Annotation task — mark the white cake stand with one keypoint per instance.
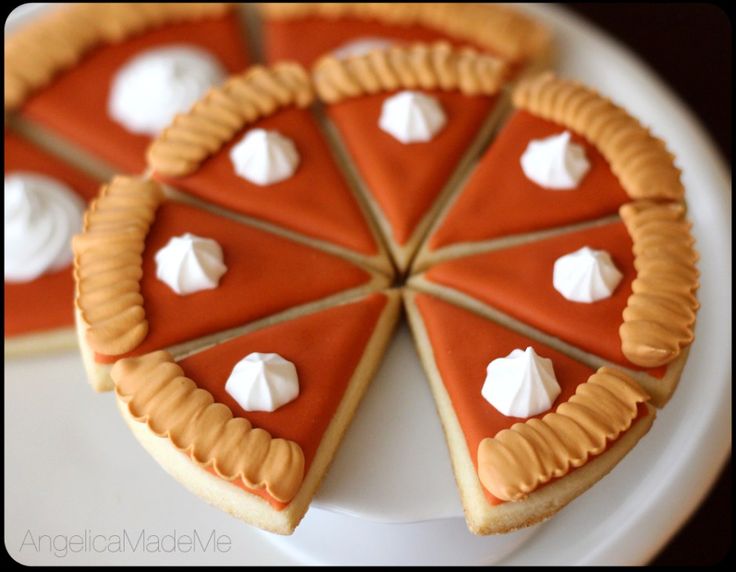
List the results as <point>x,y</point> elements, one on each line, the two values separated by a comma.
<point>389,498</point>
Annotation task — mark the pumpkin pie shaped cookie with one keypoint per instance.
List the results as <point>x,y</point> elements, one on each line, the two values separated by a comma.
<point>107,77</point>
<point>306,31</point>
<point>45,200</point>
<point>254,147</point>
<point>251,424</point>
<point>528,428</point>
<point>566,156</point>
<point>410,120</point>
<point>592,289</point>
<point>157,274</point>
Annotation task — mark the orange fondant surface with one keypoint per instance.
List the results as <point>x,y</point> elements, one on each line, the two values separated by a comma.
<point>464,344</point>
<point>518,281</point>
<point>75,104</point>
<point>499,200</point>
<point>265,275</point>
<point>324,369</point>
<point>315,201</point>
<point>306,39</point>
<point>46,303</point>
<point>405,179</point>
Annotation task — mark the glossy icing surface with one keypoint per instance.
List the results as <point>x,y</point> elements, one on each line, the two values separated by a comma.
<point>324,368</point>
<point>266,274</point>
<point>306,39</point>
<point>463,343</point>
<point>518,281</point>
<point>75,104</point>
<point>315,201</point>
<point>406,179</point>
<point>498,200</point>
<point>56,289</point>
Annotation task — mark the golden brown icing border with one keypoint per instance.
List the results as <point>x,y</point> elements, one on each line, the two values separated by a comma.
<point>520,459</point>
<point>660,313</point>
<point>108,264</point>
<point>641,161</point>
<point>418,66</point>
<point>35,54</point>
<point>223,111</point>
<point>157,393</point>
<point>499,29</point>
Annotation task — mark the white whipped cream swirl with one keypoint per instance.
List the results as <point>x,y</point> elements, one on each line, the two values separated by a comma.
<point>264,157</point>
<point>190,263</point>
<point>586,275</point>
<point>263,382</point>
<point>41,216</point>
<point>150,89</point>
<point>412,117</point>
<point>555,162</point>
<point>522,384</point>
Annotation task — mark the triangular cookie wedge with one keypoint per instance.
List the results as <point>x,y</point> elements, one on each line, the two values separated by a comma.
<point>154,274</point>
<point>39,312</point>
<point>254,147</point>
<point>410,119</point>
<point>641,321</point>
<point>262,467</point>
<point>307,30</point>
<point>514,472</point>
<point>61,71</point>
<point>530,178</point>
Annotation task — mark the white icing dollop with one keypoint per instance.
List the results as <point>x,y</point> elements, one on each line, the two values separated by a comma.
<point>263,382</point>
<point>360,47</point>
<point>522,384</point>
<point>151,88</point>
<point>412,116</point>
<point>586,275</point>
<point>555,162</point>
<point>190,263</point>
<point>264,157</point>
<point>41,216</point>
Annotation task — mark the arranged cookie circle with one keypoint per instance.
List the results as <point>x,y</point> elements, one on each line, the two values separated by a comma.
<point>239,294</point>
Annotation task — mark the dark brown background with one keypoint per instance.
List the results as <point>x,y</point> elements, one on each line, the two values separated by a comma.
<point>689,46</point>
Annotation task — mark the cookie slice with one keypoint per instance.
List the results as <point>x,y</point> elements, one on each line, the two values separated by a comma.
<point>262,467</point>
<point>566,156</point>
<point>154,274</point>
<point>71,72</point>
<point>514,472</point>
<point>305,31</point>
<point>253,146</point>
<point>410,119</point>
<point>39,313</point>
<point>652,288</point>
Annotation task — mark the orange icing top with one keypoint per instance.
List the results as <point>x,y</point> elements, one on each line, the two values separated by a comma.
<point>641,161</point>
<point>464,344</point>
<point>324,369</point>
<point>499,200</point>
<point>406,179</point>
<point>265,274</point>
<point>316,200</point>
<point>306,39</point>
<point>23,313</point>
<point>660,313</point>
<point>75,103</point>
<point>495,28</point>
<point>518,460</point>
<point>157,393</point>
<point>518,281</point>
<point>36,53</point>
